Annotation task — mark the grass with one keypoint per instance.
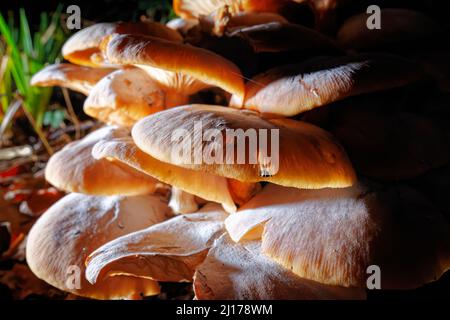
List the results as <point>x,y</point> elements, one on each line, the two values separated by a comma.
<point>23,53</point>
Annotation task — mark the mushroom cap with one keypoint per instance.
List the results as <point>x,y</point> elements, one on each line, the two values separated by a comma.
<point>83,47</point>
<point>207,186</point>
<point>182,25</point>
<point>184,65</point>
<point>189,9</point>
<point>77,78</point>
<point>223,20</point>
<point>333,235</point>
<point>292,89</point>
<point>168,251</point>
<point>182,202</point>
<point>279,36</point>
<point>308,156</point>
<point>125,96</point>
<point>233,271</point>
<point>73,169</point>
<point>397,27</point>
<point>63,237</point>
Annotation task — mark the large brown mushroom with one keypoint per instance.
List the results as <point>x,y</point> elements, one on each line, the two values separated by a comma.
<point>75,226</point>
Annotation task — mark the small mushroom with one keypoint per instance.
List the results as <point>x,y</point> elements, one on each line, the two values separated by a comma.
<point>127,95</point>
<point>83,47</point>
<point>77,78</point>
<point>233,271</point>
<point>333,236</point>
<point>183,26</point>
<point>182,202</point>
<point>308,156</point>
<point>75,226</point>
<point>179,67</point>
<point>168,251</point>
<point>400,28</point>
<point>73,169</point>
<point>292,89</point>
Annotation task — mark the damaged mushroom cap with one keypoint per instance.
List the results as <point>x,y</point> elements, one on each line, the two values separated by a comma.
<point>204,185</point>
<point>333,236</point>
<point>127,95</point>
<point>189,9</point>
<point>168,251</point>
<point>233,271</point>
<point>180,67</point>
<point>83,47</point>
<point>308,156</point>
<point>73,169</point>
<point>76,225</point>
<point>399,26</point>
<point>292,89</point>
<point>77,78</point>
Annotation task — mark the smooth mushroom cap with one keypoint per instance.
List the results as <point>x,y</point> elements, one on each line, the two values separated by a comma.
<point>177,66</point>
<point>168,251</point>
<point>292,89</point>
<point>76,225</point>
<point>234,271</point>
<point>77,78</point>
<point>308,156</point>
<point>333,236</point>
<point>397,26</point>
<point>73,169</point>
<point>83,47</point>
<point>207,186</point>
<point>125,96</point>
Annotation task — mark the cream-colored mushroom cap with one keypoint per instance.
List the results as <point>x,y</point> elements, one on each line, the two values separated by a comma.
<point>127,95</point>
<point>307,156</point>
<point>70,76</point>
<point>83,47</point>
<point>168,251</point>
<point>292,89</point>
<point>73,169</point>
<point>204,185</point>
<point>332,236</point>
<point>180,67</point>
<point>233,271</point>
<point>76,225</point>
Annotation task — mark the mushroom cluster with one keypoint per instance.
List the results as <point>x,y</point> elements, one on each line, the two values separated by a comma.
<point>339,201</point>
